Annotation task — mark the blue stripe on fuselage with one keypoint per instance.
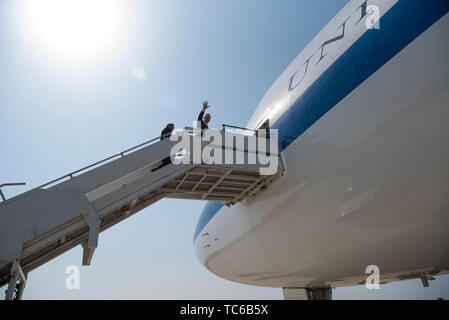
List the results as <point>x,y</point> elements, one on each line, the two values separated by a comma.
<point>402,24</point>
<point>210,209</point>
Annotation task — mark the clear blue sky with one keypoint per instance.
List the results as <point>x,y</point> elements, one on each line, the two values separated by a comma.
<point>56,117</point>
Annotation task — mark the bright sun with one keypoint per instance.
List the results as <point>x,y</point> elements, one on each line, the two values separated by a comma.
<point>76,31</point>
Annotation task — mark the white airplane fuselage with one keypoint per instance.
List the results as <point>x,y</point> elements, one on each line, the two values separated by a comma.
<point>363,127</point>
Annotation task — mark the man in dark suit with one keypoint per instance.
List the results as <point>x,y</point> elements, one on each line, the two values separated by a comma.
<point>165,134</point>
<point>206,119</point>
<point>167,131</point>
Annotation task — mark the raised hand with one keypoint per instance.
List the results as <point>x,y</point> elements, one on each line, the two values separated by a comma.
<point>205,105</point>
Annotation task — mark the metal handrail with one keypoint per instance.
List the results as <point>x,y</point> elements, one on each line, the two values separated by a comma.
<point>9,184</point>
<point>122,154</point>
<point>235,127</point>
<point>12,184</point>
<point>242,128</point>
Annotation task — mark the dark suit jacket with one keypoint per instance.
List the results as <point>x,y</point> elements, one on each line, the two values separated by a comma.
<point>200,118</point>
<point>165,132</point>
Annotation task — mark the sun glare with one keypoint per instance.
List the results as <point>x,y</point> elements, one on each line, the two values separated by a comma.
<point>75,31</point>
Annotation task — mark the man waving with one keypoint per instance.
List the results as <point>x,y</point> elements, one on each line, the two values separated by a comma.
<point>206,119</point>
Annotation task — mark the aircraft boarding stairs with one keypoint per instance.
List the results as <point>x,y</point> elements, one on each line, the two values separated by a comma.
<point>45,222</point>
